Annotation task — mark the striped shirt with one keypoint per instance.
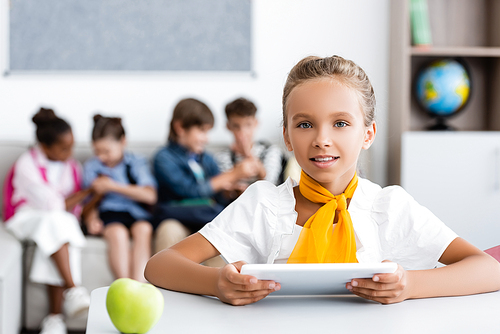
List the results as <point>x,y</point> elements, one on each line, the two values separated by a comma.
<point>271,157</point>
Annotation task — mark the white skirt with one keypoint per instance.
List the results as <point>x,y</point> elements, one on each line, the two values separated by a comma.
<point>50,230</point>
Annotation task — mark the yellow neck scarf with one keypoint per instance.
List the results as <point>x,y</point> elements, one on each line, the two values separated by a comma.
<point>317,242</point>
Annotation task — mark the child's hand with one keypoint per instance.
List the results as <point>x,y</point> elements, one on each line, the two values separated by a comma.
<point>382,288</point>
<point>237,289</point>
<point>103,184</point>
<point>247,168</point>
<point>95,226</point>
<point>240,187</point>
<point>243,145</point>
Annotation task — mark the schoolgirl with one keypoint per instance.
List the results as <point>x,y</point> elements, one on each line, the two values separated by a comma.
<point>126,187</point>
<point>332,215</point>
<point>42,196</point>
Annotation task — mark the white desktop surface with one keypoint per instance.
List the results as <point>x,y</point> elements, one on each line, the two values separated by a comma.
<point>186,313</point>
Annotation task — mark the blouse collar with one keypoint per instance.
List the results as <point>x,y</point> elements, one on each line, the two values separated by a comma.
<point>39,155</point>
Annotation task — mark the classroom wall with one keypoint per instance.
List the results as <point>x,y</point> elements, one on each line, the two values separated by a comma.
<point>284,31</point>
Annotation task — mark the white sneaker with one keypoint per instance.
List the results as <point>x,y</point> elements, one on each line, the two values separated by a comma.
<point>53,324</point>
<point>76,301</point>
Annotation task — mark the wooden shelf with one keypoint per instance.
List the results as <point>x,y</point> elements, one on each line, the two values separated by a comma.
<point>459,28</point>
<point>476,51</point>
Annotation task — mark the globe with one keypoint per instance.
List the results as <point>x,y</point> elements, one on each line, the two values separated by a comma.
<point>443,88</point>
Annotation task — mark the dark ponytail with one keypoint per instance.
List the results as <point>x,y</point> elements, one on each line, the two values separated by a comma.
<point>107,127</point>
<point>49,127</point>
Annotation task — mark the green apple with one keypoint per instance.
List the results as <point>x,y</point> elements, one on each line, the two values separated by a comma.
<point>134,307</point>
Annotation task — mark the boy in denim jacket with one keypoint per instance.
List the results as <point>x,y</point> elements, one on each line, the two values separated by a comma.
<point>190,185</point>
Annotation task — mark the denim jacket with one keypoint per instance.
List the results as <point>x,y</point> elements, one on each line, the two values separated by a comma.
<point>176,180</point>
<point>140,171</point>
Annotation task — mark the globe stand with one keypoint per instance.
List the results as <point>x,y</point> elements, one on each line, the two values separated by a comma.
<point>441,125</point>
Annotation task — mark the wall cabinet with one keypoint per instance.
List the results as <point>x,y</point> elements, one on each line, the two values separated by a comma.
<point>457,176</point>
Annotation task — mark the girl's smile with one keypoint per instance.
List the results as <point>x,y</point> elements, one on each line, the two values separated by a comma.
<point>324,161</point>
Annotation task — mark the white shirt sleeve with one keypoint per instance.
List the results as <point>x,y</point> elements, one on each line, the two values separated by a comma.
<point>409,233</point>
<point>244,230</point>
<point>30,186</point>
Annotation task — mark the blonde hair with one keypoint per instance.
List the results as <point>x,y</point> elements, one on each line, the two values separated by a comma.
<point>346,72</point>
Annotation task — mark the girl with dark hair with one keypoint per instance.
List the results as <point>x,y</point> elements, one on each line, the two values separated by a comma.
<point>42,205</point>
<point>125,185</point>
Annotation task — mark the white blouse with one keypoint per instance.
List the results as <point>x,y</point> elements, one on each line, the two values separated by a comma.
<point>288,243</point>
<point>388,224</point>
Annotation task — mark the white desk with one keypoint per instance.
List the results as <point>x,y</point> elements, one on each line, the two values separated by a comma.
<point>185,313</point>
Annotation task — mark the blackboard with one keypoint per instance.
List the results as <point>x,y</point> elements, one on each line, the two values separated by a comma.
<point>130,35</point>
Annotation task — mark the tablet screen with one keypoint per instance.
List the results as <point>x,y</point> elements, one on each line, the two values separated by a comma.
<point>315,278</point>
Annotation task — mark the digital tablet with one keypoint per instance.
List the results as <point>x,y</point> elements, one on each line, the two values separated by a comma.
<point>315,278</point>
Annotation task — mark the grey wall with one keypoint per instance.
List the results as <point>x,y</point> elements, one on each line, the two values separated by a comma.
<point>130,35</point>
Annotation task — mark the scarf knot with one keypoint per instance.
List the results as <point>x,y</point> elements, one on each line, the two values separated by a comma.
<point>319,241</point>
<point>341,202</point>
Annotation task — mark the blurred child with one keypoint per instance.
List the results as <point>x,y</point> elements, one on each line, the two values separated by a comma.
<point>268,159</point>
<point>43,193</point>
<point>126,185</point>
<point>189,181</point>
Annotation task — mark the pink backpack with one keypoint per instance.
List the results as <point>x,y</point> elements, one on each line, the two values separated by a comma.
<point>495,252</point>
<point>9,208</point>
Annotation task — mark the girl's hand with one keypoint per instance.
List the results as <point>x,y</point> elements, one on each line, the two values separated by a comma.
<point>95,226</point>
<point>237,289</point>
<point>382,288</point>
<point>103,184</point>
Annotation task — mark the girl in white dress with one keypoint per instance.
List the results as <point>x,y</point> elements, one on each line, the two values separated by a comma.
<point>45,199</point>
<point>331,215</point>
